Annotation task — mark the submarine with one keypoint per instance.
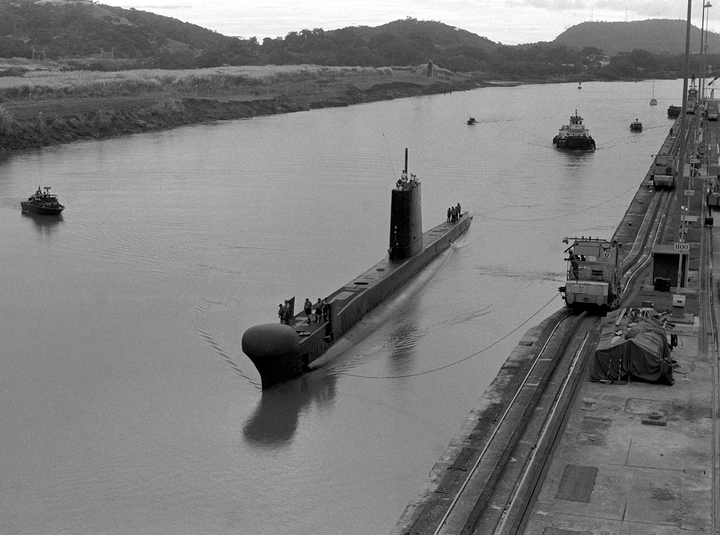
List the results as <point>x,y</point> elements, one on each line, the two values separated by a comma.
<point>284,351</point>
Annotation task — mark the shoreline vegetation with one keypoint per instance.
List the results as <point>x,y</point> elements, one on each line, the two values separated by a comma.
<point>45,105</point>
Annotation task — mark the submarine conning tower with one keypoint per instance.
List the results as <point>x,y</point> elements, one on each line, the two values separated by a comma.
<point>405,217</point>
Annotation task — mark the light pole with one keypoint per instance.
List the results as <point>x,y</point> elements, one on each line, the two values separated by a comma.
<point>680,181</point>
<point>703,50</point>
<point>706,67</point>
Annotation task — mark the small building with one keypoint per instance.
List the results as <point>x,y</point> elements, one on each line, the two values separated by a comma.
<point>667,261</point>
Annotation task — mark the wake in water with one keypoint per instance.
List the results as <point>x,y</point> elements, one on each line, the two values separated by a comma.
<point>203,308</point>
<point>226,358</point>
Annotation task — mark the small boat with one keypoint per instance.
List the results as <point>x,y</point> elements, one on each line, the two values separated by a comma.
<point>574,136</point>
<point>43,203</point>
<point>674,111</point>
<point>471,120</point>
<point>636,126</point>
<point>653,100</point>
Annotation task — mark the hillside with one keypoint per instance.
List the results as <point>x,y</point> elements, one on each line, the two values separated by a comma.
<point>71,29</point>
<point>86,34</point>
<point>658,36</point>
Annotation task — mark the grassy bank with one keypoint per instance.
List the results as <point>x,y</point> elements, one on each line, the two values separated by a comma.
<point>44,106</point>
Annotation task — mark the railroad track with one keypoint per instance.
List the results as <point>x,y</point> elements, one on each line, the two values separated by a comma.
<point>490,470</point>
<point>635,264</point>
<point>564,366</point>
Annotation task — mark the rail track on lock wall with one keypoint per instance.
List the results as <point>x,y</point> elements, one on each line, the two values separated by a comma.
<point>494,482</point>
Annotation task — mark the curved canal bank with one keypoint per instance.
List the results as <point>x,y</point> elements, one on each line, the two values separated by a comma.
<point>39,121</point>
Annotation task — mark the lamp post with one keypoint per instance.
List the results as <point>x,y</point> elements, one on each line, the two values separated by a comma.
<point>706,67</point>
<point>703,50</point>
<point>680,182</point>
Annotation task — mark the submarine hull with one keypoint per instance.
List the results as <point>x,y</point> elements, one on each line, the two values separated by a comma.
<point>283,352</point>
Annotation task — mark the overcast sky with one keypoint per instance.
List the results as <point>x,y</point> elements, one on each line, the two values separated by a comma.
<point>510,22</point>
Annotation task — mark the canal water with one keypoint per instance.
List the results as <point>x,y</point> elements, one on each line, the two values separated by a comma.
<point>127,403</point>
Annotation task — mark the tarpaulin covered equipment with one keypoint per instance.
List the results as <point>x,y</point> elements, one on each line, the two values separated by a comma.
<point>632,346</point>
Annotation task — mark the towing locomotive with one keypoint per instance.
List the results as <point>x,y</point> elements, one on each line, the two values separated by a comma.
<point>593,278</point>
<point>663,173</point>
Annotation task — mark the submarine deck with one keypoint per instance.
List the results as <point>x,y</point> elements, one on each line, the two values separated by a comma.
<point>380,271</point>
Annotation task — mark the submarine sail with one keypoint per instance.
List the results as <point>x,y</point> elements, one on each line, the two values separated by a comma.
<point>405,217</point>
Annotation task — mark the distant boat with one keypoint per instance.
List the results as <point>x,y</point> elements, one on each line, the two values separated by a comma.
<point>579,85</point>
<point>43,203</point>
<point>636,126</point>
<point>653,100</point>
<point>674,111</point>
<point>471,120</point>
<point>574,136</point>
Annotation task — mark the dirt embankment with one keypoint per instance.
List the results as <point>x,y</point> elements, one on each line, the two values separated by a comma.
<point>32,123</point>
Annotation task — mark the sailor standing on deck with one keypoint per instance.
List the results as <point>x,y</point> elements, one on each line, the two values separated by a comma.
<point>307,307</point>
<point>286,313</point>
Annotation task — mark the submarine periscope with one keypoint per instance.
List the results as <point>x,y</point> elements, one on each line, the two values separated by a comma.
<point>283,351</point>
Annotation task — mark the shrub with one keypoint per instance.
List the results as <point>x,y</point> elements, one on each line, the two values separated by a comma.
<point>7,121</point>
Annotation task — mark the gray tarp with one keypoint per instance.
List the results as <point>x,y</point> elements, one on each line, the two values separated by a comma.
<point>636,344</point>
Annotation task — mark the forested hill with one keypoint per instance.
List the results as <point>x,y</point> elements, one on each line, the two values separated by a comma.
<point>80,29</point>
<point>86,34</point>
<point>55,29</point>
<point>658,36</point>
<point>441,35</point>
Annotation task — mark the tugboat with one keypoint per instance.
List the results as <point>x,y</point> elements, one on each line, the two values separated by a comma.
<point>471,120</point>
<point>283,351</point>
<point>43,203</point>
<point>636,126</point>
<point>574,136</point>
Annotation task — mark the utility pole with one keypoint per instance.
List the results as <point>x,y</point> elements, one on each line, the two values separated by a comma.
<point>680,187</point>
